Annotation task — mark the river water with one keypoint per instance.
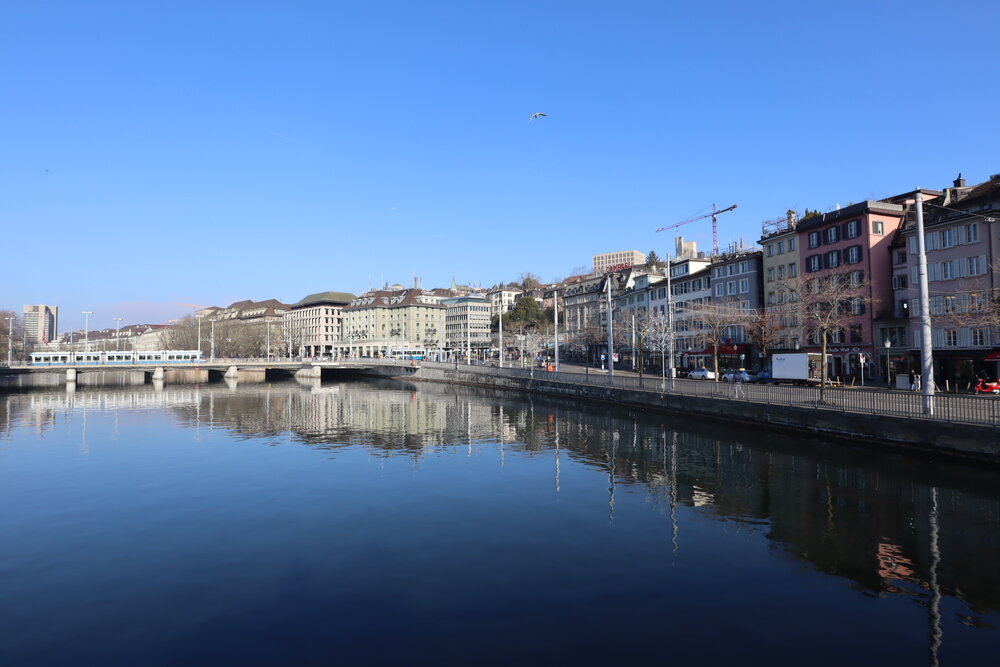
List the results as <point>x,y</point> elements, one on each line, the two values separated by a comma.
<point>390,523</point>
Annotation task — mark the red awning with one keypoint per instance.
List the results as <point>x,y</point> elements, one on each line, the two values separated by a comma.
<point>992,356</point>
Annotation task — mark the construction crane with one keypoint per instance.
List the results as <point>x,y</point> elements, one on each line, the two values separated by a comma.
<point>715,225</point>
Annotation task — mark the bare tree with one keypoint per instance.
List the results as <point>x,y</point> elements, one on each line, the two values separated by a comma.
<point>830,304</point>
<point>660,333</point>
<point>11,333</point>
<point>717,318</point>
<point>764,327</point>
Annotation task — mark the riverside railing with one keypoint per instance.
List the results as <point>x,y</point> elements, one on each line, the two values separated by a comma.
<point>983,410</point>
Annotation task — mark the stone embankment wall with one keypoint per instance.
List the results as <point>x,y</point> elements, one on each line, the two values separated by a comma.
<point>929,436</point>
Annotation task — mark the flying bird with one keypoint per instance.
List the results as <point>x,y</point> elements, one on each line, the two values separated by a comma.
<point>536,115</point>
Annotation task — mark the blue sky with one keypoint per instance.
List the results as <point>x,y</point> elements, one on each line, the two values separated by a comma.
<point>206,152</point>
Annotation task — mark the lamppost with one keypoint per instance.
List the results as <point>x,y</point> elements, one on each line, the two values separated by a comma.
<point>888,372</point>
<point>213,339</point>
<point>199,318</point>
<point>86,330</point>
<point>10,338</point>
<point>555,310</point>
<point>118,329</point>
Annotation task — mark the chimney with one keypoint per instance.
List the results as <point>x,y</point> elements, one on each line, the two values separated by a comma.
<point>959,182</point>
<point>790,215</point>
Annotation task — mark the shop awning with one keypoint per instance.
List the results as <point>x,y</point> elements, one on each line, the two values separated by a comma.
<point>723,349</point>
<point>992,356</point>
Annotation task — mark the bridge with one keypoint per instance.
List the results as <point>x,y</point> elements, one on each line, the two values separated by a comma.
<point>244,370</point>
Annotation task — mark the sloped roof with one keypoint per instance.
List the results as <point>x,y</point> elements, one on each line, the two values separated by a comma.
<point>340,298</point>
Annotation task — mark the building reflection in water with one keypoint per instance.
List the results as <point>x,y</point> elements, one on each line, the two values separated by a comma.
<point>891,525</point>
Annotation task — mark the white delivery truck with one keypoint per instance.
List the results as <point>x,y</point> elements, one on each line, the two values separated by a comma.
<point>797,367</point>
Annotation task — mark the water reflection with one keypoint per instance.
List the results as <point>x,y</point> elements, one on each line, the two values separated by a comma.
<point>890,525</point>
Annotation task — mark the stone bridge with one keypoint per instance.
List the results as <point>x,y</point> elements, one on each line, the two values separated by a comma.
<point>240,370</point>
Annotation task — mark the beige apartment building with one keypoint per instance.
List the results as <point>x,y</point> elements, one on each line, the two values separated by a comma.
<point>41,324</point>
<point>622,259</point>
<point>383,323</point>
<point>779,241</point>
<point>315,323</point>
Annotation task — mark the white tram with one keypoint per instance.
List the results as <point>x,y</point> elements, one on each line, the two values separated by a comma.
<point>94,358</point>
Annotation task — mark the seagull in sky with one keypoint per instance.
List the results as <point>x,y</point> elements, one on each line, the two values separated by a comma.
<point>536,115</point>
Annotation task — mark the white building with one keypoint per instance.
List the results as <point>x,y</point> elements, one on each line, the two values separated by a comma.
<point>621,259</point>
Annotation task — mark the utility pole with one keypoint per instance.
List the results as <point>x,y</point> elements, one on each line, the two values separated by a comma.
<point>670,326</point>
<point>611,353</point>
<point>500,318</point>
<point>926,351</point>
<point>86,330</point>
<point>199,317</point>
<point>213,339</point>
<point>118,330</point>
<point>555,295</point>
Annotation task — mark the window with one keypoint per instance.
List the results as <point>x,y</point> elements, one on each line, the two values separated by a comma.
<point>732,269</point>
<point>853,254</point>
<point>744,267</point>
<point>833,259</point>
<point>976,265</point>
<point>899,257</point>
<point>814,239</point>
<point>857,306</point>
<point>720,289</point>
<point>793,270</point>
<point>856,333</point>
<point>770,274</point>
<point>791,244</point>
<point>731,287</point>
<point>744,285</point>
<point>951,337</point>
<point>832,234</point>
<point>947,270</point>
<point>781,271</point>
<point>979,337</point>
<point>852,229</point>
<point>947,238</point>
<point>899,282</point>
<point>770,250</point>
<point>972,233</point>
<point>854,278</point>
<point>813,263</point>
<point>781,247</point>
<point>877,227</point>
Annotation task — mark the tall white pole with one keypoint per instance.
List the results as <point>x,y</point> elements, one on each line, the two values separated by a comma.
<point>118,330</point>
<point>611,351</point>
<point>670,325</point>
<point>86,330</point>
<point>555,295</point>
<point>926,350</point>
<point>501,326</point>
<point>213,339</point>
<point>198,317</point>
<point>267,337</point>
<point>468,334</point>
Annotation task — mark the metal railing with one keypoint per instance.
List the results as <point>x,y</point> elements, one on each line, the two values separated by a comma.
<point>981,410</point>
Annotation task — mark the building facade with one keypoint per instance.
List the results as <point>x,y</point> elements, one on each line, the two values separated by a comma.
<point>383,323</point>
<point>619,260</point>
<point>315,323</point>
<point>41,324</point>
<point>467,325</point>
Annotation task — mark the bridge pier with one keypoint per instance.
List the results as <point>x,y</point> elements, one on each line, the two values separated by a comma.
<point>158,373</point>
<point>310,372</point>
<point>70,375</point>
<point>232,373</point>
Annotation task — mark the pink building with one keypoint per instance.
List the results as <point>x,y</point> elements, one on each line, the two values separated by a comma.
<point>853,243</point>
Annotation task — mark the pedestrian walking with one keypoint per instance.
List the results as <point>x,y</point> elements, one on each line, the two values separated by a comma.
<point>913,380</point>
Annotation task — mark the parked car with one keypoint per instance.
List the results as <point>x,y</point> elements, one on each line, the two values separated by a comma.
<point>739,376</point>
<point>702,374</point>
<point>682,372</point>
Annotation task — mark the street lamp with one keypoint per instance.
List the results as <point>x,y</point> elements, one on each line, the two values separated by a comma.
<point>199,318</point>
<point>213,338</point>
<point>118,329</point>
<point>86,330</point>
<point>888,372</point>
